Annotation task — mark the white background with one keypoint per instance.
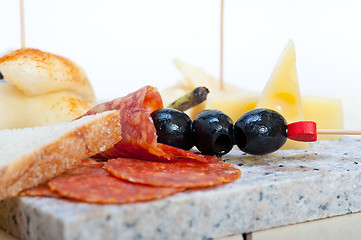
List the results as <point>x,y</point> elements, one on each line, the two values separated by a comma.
<point>124,45</point>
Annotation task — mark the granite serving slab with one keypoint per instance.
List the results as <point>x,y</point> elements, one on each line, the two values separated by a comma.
<point>286,187</point>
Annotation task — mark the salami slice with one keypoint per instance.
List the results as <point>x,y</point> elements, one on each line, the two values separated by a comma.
<point>185,173</point>
<point>42,190</point>
<point>89,182</point>
<point>176,154</point>
<point>139,136</point>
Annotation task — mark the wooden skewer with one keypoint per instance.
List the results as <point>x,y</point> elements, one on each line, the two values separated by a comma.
<point>338,132</point>
<point>22,24</point>
<point>221,53</point>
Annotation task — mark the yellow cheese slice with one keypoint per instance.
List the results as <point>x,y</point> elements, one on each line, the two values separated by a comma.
<point>234,101</point>
<point>197,77</point>
<point>282,92</point>
<point>326,112</point>
<point>234,105</point>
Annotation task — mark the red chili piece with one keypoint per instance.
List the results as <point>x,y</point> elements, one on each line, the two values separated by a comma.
<point>303,131</point>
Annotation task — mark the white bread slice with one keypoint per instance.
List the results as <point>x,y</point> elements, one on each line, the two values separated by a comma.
<point>30,156</point>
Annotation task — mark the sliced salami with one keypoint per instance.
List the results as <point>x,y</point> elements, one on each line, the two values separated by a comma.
<point>139,136</point>
<point>89,182</point>
<point>186,173</point>
<point>42,190</point>
<point>176,154</point>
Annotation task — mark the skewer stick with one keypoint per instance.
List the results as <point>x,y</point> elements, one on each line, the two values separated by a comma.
<point>221,53</point>
<point>338,132</point>
<point>306,131</point>
<point>22,24</point>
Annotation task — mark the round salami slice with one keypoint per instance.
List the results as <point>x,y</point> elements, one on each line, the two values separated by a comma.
<point>93,184</point>
<point>175,154</point>
<point>186,173</point>
<point>42,190</point>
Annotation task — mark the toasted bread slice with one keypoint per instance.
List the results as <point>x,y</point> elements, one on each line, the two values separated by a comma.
<point>30,156</point>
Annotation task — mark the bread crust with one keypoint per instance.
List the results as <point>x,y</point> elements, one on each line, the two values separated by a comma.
<point>51,160</point>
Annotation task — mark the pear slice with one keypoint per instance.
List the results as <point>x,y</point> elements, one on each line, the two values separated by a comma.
<point>282,92</point>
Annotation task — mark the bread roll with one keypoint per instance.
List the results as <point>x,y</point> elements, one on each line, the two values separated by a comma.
<point>35,72</point>
<point>41,88</point>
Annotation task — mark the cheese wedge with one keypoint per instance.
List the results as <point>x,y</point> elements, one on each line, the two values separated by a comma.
<point>282,92</point>
<point>234,105</point>
<point>197,77</point>
<point>235,101</point>
<point>326,112</point>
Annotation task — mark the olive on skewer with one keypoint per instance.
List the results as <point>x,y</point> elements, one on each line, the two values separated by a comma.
<point>258,131</point>
<point>173,128</point>
<point>212,132</point>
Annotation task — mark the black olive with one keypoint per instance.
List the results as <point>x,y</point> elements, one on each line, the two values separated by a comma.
<point>173,128</point>
<point>1,76</point>
<point>260,131</point>
<point>212,132</point>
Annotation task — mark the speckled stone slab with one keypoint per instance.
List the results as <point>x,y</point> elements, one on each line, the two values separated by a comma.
<point>286,187</point>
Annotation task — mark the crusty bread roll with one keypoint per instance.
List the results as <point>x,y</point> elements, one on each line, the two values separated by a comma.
<point>35,72</point>
<point>41,88</point>
<point>30,156</point>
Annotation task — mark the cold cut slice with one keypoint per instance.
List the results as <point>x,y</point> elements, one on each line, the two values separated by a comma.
<point>185,173</point>
<point>89,182</point>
